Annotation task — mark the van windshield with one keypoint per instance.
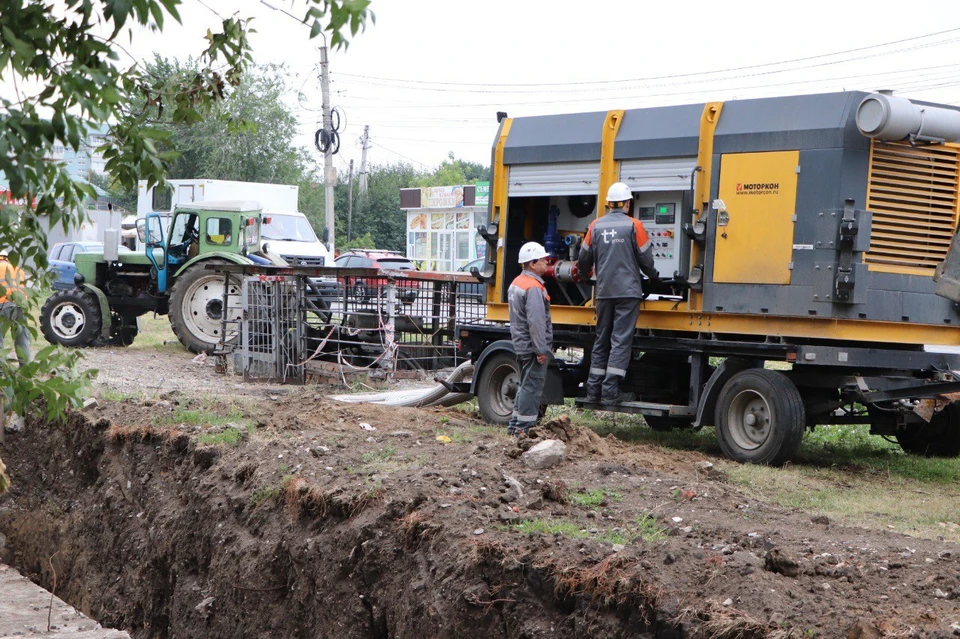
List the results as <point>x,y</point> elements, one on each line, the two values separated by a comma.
<point>289,228</point>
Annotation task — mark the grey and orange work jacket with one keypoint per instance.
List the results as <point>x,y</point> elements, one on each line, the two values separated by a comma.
<point>530,326</point>
<point>618,248</point>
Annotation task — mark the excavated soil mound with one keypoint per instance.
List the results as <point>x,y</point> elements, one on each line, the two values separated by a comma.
<point>306,518</point>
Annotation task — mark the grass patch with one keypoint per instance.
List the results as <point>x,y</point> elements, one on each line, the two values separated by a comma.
<point>384,454</point>
<point>183,416</point>
<point>861,496</point>
<point>108,394</point>
<point>598,497</point>
<point>646,527</point>
<point>265,493</point>
<point>551,527</point>
<point>230,436</point>
<point>456,436</point>
<point>156,334</point>
<point>649,529</point>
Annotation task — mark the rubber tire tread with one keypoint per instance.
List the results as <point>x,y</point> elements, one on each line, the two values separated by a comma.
<point>785,403</point>
<point>946,444</point>
<point>177,324</point>
<point>91,310</point>
<point>483,386</point>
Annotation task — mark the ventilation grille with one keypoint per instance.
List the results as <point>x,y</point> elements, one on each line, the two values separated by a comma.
<point>912,191</point>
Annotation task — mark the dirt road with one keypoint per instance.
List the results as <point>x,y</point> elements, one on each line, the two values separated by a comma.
<point>211,508</point>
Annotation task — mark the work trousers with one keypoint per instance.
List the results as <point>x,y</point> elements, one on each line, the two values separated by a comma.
<point>613,346</point>
<point>526,408</point>
<point>12,314</point>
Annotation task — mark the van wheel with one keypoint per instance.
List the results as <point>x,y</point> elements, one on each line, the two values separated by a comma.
<point>71,318</point>
<point>760,418</point>
<point>497,388</point>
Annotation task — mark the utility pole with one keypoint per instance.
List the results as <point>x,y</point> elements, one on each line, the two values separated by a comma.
<point>350,204</point>
<point>363,159</point>
<point>329,173</point>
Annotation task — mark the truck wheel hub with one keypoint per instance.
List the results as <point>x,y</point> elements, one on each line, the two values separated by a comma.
<point>749,420</point>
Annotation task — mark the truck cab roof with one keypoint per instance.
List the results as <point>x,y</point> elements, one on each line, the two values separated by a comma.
<point>233,206</point>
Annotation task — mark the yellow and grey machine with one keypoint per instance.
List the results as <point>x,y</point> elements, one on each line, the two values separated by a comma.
<point>807,229</point>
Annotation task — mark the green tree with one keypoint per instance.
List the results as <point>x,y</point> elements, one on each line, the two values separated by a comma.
<point>378,212</point>
<point>452,172</point>
<point>362,242</point>
<point>250,136</point>
<point>68,79</point>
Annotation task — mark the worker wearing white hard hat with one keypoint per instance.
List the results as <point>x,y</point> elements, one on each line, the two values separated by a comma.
<point>618,250</point>
<point>532,333</point>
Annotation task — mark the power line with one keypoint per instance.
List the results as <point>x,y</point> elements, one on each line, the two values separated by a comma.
<point>672,76</point>
<point>622,97</point>
<point>377,144</point>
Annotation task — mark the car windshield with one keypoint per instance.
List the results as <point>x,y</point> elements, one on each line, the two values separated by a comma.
<point>395,263</point>
<point>289,228</point>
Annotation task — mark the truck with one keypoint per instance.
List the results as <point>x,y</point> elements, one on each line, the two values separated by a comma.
<point>287,230</point>
<point>170,276</point>
<point>809,254</point>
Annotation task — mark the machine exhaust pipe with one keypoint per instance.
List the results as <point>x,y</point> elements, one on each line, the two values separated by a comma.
<point>892,118</point>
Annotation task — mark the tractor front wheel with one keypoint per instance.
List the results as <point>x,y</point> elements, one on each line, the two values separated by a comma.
<point>197,308</point>
<point>71,318</point>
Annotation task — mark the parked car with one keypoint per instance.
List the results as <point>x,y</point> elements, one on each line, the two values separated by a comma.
<point>365,289</point>
<point>62,257</point>
<point>473,290</point>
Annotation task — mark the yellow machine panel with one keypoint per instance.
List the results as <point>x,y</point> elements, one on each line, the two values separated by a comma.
<point>754,242</point>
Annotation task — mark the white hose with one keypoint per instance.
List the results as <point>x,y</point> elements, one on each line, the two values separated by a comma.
<point>416,397</point>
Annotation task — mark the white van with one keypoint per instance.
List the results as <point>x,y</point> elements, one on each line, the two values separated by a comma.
<point>289,235</point>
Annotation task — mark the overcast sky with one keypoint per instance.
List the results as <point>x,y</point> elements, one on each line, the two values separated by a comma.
<point>430,75</point>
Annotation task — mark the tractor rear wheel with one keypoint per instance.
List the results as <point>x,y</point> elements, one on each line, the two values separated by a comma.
<point>71,318</point>
<point>197,309</point>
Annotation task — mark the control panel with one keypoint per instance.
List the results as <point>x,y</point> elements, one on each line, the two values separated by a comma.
<point>660,214</point>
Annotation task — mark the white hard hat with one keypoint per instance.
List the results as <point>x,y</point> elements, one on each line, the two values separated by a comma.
<point>619,192</point>
<point>531,251</point>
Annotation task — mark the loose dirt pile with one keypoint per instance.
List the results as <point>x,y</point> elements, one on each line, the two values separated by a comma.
<point>298,517</point>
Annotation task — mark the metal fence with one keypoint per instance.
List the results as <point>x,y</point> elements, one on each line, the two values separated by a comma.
<point>333,322</point>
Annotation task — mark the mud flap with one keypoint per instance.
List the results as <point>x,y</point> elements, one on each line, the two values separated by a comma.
<point>553,388</point>
<point>106,317</point>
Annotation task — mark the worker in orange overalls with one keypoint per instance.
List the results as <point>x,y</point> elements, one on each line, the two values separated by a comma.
<point>11,311</point>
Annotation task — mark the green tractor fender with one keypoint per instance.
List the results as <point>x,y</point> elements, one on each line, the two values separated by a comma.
<point>230,257</point>
<point>105,314</point>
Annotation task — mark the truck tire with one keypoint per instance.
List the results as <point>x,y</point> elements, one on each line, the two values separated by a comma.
<point>938,438</point>
<point>759,417</point>
<point>71,318</point>
<point>196,307</point>
<point>497,387</point>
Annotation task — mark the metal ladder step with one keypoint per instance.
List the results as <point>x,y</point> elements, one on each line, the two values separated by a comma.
<point>640,408</point>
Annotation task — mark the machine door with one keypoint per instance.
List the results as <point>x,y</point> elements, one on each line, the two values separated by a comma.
<point>562,178</point>
<point>754,234</point>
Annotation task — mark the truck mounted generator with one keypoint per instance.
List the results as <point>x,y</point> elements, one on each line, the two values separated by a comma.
<point>805,248</point>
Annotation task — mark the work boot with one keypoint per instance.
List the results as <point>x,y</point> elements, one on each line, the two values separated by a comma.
<point>619,398</point>
<point>593,386</point>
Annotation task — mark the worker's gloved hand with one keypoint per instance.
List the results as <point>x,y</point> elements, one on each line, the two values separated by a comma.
<point>656,281</point>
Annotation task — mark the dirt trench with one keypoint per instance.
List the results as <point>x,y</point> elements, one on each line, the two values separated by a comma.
<point>311,526</point>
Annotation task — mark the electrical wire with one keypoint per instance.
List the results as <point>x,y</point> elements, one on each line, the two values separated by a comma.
<point>695,74</point>
<point>377,144</point>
